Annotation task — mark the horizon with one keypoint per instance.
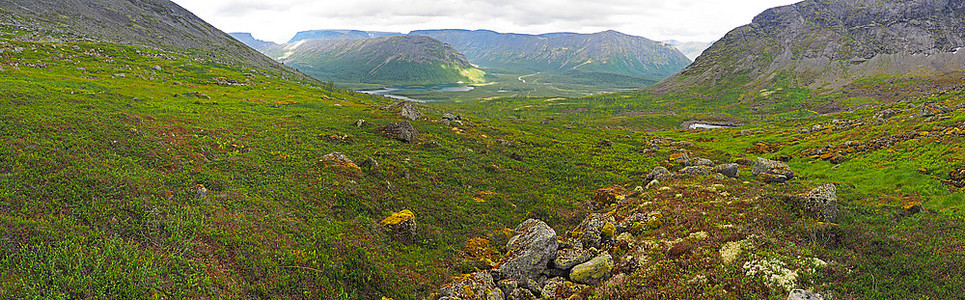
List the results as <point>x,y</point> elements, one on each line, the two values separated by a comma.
<point>684,21</point>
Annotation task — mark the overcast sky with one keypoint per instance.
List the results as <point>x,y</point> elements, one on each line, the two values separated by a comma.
<point>684,20</point>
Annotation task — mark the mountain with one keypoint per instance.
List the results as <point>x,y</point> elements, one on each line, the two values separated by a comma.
<point>339,34</point>
<point>158,24</point>
<point>251,41</point>
<point>690,49</point>
<point>830,44</point>
<point>387,60</point>
<point>607,53</point>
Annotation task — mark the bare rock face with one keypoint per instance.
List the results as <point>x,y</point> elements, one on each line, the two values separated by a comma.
<point>822,202</point>
<point>529,251</point>
<point>833,42</point>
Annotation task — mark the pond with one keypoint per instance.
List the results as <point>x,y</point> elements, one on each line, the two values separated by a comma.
<point>392,91</point>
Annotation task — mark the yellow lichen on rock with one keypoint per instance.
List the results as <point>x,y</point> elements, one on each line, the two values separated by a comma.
<point>608,230</point>
<point>397,218</point>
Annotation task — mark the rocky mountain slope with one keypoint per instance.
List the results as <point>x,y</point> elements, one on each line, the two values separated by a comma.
<point>158,24</point>
<point>392,60</point>
<point>339,34</point>
<point>577,55</point>
<point>831,43</point>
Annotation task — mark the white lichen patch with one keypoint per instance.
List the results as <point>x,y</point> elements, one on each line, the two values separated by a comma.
<point>775,273</point>
<point>730,251</point>
<point>700,235</point>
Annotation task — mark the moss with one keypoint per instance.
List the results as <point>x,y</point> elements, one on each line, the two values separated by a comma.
<point>397,218</point>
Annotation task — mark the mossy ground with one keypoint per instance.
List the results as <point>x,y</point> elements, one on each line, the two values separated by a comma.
<point>162,183</point>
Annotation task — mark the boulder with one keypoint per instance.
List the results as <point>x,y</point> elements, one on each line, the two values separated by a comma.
<point>931,109</point>
<point>507,286</point>
<point>403,131</point>
<point>653,183</point>
<point>608,195</point>
<point>822,203</point>
<point>659,173</point>
<point>744,161</point>
<point>451,116</point>
<point>559,288</point>
<point>592,271</point>
<point>341,160</point>
<point>729,170</point>
<point>804,295</point>
<point>696,170</point>
<point>591,230</point>
<point>771,171</point>
<point>529,251</point>
<point>400,223</point>
<point>887,114</point>
<point>568,258</point>
<point>409,111</point>
<point>520,294</point>
<point>697,161</point>
<point>474,286</point>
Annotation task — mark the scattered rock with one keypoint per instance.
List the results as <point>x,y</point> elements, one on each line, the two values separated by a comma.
<point>359,123</point>
<point>822,203</point>
<point>451,117</point>
<point>633,223</point>
<point>608,195</point>
<point>520,294</point>
<point>652,184</point>
<point>568,258</point>
<point>119,75</point>
<point>744,161</point>
<point>157,68</point>
<point>507,286</point>
<point>591,230</point>
<point>341,160</point>
<point>410,111</point>
<point>931,109</point>
<point>729,170</point>
<point>401,224</point>
<point>559,288</point>
<point>403,131</point>
<point>771,171</point>
<point>804,295</point>
<point>659,173</point>
<point>696,170</point>
<point>529,251</point>
<point>593,271</point>
<point>474,286</point>
<point>697,161</point>
<point>887,114</point>
<point>838,159</point>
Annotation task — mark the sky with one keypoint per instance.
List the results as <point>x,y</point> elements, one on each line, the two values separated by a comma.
<point>682,20</point>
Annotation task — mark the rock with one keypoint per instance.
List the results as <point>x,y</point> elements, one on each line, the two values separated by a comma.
<point>157,68</point>
<point>446,122</point>
<point>804,295</point>
<point>120,75</point>
<point>592,271</point>
<point>652,184</point>
<point>341,160</point>
<point>409,111</point>
<point>957,174</point>
<point>697,161</point>
<point>559,288</point>
<point>887,114</point>
<point>474,286</point>
<point>529,251</point>
<point>744,161</point>
<point>655,220</point>
<point>837,159</point>
<point>696,170</point>
<point>931,109</point>
<point>402,131</point>
<point>822,203</point>
<point>608,195</point>
<point>627,224</point>
<point>590,231</point>
<point>359,123</point>
<point>659,173</point>
<point>401,223</point>
<point>520,294</point>
<point>771,171</point>
<point>507,285</point>
<point>451,117</point>
<point>729,170</point>
<point>568,258</point>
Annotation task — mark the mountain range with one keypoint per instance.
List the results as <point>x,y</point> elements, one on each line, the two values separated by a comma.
<point>388,60</point>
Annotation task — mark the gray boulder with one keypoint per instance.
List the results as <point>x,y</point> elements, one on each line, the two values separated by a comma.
<point>403,131</point>
<point>594,230</point>
<point>804,295</point>
<point>659,173</point>
<point>410,112</point>
<point>697,161</point>
<point>771,171</point>
<point>529,251</point>
<point>729,170</point>
<point>567,258</point>
<point>696,170</point>
<point>822,203</point>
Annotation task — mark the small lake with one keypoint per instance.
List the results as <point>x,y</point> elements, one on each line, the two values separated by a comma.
<point>442,88</point>
<point>698,125</point>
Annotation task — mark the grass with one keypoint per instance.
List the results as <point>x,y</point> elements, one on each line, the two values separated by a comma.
<point>163,183</point>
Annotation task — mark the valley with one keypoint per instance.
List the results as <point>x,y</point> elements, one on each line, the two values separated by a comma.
<point>150,155</point>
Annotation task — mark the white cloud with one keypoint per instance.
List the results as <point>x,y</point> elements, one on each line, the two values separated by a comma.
<point>685,20</point>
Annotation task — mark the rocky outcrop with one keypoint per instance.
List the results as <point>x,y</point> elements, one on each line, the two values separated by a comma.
<point>529,251</point>
<point>771,171</point>
<point>822,203</point>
